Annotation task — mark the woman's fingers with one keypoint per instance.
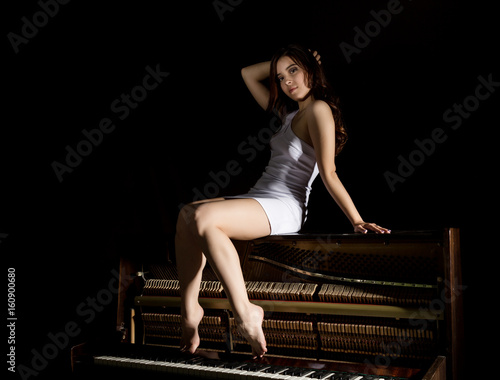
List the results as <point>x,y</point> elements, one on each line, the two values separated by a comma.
<point>365,227</point>
<point>316,55</point>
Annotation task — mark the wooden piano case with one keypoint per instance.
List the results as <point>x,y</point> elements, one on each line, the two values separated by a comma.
<point>389,305</point>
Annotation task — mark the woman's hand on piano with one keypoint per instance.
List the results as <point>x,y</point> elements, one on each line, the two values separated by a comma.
<point>365,227</point>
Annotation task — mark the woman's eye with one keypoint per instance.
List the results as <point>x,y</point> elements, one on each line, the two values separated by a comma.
<point>280,79</point>
<point>293,70</point>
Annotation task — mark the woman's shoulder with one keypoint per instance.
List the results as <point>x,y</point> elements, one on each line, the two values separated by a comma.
<point>318,107</point>
<point>319,112</point>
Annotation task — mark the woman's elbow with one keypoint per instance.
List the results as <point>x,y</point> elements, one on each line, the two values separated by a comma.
<point>329,173</point>
<point>244,71</point>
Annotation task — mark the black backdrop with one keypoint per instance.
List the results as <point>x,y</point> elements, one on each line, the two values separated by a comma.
<point>67,67</point>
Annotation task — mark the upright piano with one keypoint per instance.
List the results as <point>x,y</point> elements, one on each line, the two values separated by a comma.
<point>337,307</point>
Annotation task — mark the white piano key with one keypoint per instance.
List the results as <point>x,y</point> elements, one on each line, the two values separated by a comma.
<point>134,363</point>
<point>101,360</point>
<point>230,373</point>
<point>175,368</point>
<point>260,375</point>
<point>166,367</point>
<point>234,374</point>
<point>124,362</point>
<point>209,372</point>
<point>304,375</point>
<point>279,376</point>
<point>193,368</point>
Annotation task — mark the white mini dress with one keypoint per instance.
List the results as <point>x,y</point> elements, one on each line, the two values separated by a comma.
<point>284,188</point>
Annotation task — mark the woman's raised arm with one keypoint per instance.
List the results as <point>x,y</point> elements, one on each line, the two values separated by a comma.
<point>253,76</point>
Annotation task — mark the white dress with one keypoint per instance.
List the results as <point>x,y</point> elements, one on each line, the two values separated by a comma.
<point>284,188</point>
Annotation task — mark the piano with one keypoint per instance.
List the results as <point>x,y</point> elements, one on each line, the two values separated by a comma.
<point>337,307</point>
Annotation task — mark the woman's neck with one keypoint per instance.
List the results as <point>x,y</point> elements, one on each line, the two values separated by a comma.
<point>304,103</point>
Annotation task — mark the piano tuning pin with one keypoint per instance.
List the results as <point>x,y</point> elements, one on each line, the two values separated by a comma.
<point>141,274</point>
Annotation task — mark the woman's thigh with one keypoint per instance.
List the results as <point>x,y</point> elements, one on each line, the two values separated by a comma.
<point>240,219</point>
<point>186,217</point>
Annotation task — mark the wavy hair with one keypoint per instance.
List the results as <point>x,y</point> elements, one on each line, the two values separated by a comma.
<point>316,81</point>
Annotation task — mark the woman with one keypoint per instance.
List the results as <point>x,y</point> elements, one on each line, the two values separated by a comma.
<point>307,143</point>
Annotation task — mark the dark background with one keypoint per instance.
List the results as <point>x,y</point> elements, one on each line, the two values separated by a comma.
<point>64,238</point>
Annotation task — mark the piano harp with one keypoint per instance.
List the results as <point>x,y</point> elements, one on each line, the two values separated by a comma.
<point>343,306</point>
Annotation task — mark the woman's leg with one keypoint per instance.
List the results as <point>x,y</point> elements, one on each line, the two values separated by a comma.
<point>209,227</point>
<point>190,263</point>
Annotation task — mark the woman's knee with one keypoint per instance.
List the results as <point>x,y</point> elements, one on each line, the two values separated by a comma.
<point>194,219</point>
<point>185,221</point>
<point>204,217</point>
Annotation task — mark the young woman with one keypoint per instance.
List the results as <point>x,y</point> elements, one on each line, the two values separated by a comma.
<point>311,136</point>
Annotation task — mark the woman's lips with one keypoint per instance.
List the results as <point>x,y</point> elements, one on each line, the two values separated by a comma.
<point>292,90</point>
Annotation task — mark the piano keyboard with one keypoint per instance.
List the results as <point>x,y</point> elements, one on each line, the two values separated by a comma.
<point>199,367</point>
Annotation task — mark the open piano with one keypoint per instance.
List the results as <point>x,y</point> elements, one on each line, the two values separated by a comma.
<point>338,307</point>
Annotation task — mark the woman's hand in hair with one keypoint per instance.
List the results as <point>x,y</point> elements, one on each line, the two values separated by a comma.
<point>317,56</point>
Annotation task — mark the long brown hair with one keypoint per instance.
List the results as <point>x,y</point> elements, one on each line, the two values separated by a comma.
<point>320,89</point>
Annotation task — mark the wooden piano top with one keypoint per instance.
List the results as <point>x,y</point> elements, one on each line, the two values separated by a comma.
<point>408,234</point>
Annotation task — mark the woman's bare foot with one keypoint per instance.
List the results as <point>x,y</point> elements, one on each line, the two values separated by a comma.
<point>190,340</point>
<point>250,326</point>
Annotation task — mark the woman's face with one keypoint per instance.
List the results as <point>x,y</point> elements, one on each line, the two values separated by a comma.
<point>291,78</point>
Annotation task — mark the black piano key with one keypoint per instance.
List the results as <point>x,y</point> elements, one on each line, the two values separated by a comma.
<point>233,365</point>
<point>276,369</point>
<point>322,375</point>
<point>261,367</point>
<point>210,363</point>
<point>251,367</point>
<point>194,360</point>
<point>340,376</point>
<point>293,371</point>
<point>350,376</point>
<point>299,372</point>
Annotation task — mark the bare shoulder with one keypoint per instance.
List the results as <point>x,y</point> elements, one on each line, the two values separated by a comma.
<point>319,106</point>
<point>319,112</point>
